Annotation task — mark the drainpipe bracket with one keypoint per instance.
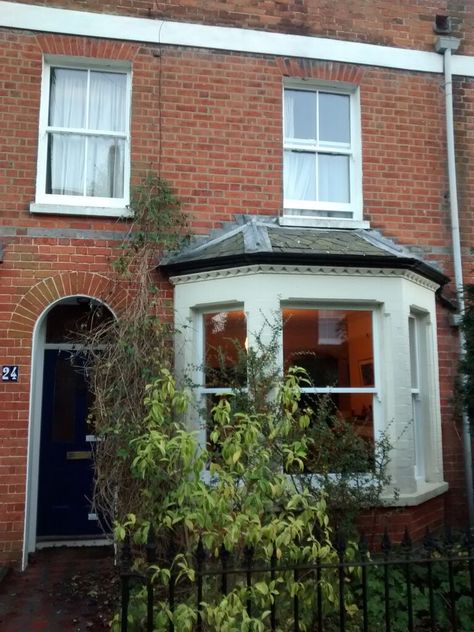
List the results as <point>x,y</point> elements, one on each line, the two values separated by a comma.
<point>447,42</point>
<point>455,320</point>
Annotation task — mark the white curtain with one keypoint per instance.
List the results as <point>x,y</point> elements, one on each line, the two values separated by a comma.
<point>80,164</point>
<point>333,178</point>
<point>299,175</point>
<point>67,151</point>
<point>107,101</point>
<point>105,164</point>
<point>299,168</point>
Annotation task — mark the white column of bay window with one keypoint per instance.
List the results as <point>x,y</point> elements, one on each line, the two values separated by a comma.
<point>387,405</point>
<point>196,368</point>
<point>398,407</point>
<point>263,314</point>
<point>425,399</point>
<point>405,440</point>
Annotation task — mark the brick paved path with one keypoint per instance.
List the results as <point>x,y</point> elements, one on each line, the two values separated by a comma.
<point>62,590</point>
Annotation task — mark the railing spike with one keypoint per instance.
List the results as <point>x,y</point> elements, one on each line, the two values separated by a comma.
<point>224,554</point>
<point>429,541</point>
<point>469,537</point>
<point>200,552</point>
<point>386,542</point>
<point>248,555</point>
<point>151,547</point>
<point>363,545</point>
<point>126,556</point>
<point>171,551</point>
<point>340,543</point>
<point>448,535</point>
<point>406,541</point>
<point>317,531</point>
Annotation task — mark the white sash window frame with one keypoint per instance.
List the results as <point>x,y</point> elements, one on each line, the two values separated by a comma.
<point>316,209</point>
<point>46,202</point>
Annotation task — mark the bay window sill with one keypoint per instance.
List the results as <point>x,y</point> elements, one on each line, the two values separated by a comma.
<point>88,211</point>
<point>425,491</point>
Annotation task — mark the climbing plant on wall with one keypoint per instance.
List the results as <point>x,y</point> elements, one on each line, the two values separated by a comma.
<point>127,353</point>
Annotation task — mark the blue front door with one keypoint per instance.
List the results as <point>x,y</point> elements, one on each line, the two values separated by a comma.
<point>66,466</point>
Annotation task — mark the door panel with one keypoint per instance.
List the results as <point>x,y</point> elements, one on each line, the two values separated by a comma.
<point>66,467</point>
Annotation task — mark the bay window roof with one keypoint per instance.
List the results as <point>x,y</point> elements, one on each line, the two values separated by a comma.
<point>252,240</point>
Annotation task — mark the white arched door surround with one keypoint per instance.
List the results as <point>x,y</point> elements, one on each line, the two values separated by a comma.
<point>40,349</point>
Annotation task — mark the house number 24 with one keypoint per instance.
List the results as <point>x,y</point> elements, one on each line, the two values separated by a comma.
<point>10,373</point>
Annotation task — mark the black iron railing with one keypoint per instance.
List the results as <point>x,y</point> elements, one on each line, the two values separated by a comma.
<point>397,588</point>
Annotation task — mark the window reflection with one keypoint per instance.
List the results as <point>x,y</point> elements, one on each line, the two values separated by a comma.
<point>69,322</point>
<point>225,336</point>
<point>335,347</point>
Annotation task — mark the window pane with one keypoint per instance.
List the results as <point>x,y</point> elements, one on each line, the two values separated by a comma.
<point>355,408</point>
<point>69,322</point>
<point>105,167</point>
<point>67,105</point>
<point>68,380</point>
<point>225,335</point>
<point>333,173</point>
<point>66,153</point>
<point>300,175</point>
<point>107,101</point>
<point>334,346</point>
<point>413,352</point>
<point>334,118</point>
<point>300,114</point>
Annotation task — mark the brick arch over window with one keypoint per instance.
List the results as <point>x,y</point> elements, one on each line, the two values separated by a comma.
<point>86,47</point>
<point>320,70</point>
<point>54,288</point>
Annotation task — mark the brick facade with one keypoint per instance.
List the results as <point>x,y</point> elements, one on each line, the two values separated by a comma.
<point>211,123</point>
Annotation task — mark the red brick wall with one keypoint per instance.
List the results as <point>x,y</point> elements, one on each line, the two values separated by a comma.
<point>404,23</point>
<point>210,122</point>
<point>394,521</point>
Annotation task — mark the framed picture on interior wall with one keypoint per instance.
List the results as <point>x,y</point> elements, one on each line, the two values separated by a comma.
<point>366,372</point>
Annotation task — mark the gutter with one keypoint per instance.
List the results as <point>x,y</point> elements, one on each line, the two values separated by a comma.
<point>321,259</point>
<point>445,45</point>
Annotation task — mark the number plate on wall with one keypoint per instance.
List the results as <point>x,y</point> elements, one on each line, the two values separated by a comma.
<point>10,373</point>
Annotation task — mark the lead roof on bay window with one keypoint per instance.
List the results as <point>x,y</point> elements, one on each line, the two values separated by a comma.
<point>252,240</point>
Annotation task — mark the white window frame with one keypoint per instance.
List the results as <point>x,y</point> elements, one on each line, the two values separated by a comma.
<point>202,390</point>
<point>73,204</point>
<point>329,212</point>
<point>418,359</point>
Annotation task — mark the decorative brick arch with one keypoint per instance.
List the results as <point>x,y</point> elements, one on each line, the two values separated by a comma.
<point>54,288</point>
<point>320,70</point>
<point>53,43</point>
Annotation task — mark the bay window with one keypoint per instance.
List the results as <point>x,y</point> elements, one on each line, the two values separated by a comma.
<point>367,340</point>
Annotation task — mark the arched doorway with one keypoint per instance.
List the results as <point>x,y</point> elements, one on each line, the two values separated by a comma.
<point>61,503</point>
